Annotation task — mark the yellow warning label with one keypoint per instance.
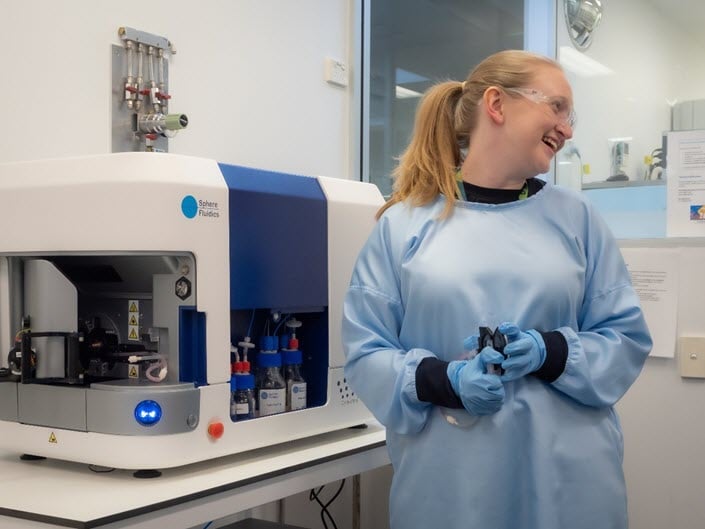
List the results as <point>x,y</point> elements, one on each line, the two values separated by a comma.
<point>52,438</point>
<point>133,319</point>
<point>133,372</point>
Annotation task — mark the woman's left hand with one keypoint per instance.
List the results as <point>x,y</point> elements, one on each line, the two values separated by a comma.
<point>525,351</point>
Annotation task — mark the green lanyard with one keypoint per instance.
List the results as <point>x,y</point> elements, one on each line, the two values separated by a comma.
<point>461,187</point>
<point>524,193</point>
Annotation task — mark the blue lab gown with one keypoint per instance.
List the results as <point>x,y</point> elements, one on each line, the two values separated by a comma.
<point>551,458</point>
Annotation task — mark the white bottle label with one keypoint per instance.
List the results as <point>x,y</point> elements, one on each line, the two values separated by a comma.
<point>272,401</point>
<point>297,395</point>
<point>242,408</point>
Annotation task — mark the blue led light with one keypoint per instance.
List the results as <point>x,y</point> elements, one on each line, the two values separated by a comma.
<point>148,413</point>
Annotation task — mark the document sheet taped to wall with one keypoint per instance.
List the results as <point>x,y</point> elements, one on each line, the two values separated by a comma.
<point>654,274</point>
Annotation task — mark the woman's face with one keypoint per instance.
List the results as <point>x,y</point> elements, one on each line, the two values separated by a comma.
<point>540,119</point>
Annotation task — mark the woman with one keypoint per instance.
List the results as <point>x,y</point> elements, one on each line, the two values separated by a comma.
<point>471,238</point>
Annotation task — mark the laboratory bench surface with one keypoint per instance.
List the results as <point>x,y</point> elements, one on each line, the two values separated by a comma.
<point>50,493</point>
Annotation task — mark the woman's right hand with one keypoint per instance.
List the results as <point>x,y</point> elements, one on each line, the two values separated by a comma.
<point>480,392</point>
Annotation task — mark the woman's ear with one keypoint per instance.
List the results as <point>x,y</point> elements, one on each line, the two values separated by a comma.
<point>493,101</point>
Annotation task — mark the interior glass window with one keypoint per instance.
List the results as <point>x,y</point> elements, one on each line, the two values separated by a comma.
<point>414,44</point>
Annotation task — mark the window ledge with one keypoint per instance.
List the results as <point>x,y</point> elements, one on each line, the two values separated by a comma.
<point>623,183</point>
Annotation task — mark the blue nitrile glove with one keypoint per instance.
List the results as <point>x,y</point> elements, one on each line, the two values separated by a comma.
<point>525,351</point>
<point>471,342</point>
<point>480,392</point>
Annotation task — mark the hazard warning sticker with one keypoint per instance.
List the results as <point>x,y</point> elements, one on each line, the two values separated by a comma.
<point>133,320</point>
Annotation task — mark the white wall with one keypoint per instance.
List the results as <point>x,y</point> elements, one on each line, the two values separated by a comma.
<point>248,73</point>
<point>663,416</point>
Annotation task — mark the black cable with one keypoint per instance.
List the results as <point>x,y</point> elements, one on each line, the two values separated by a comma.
<point>314,496</point>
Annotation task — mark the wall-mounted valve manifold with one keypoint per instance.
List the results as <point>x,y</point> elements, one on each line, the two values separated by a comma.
<point>141,119</point>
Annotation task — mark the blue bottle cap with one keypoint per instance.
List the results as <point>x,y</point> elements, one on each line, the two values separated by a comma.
<point>245,381</point>
<point>292,357</point>
<point>269,360</point>
<point>268,343</point>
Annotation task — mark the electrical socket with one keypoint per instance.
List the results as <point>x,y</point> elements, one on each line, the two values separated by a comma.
<point>692,356</point>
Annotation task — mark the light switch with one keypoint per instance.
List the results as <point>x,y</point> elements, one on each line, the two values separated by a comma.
<point>336,72</point>
<point>691,356</point>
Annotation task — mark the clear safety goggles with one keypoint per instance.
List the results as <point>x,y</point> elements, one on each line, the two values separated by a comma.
<point>559,105</point>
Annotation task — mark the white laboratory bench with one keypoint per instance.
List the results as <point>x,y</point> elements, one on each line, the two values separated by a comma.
<point>51,494</point>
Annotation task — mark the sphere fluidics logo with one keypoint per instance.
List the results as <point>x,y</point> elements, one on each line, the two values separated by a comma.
<point>192,207</point>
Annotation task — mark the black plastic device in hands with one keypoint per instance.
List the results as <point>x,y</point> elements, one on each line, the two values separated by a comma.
<point>494,339</point>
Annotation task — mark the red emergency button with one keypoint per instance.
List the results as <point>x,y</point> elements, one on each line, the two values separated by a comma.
<point>216,429</point>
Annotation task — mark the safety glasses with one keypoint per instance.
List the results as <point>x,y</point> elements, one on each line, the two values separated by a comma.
<point>559,105</point>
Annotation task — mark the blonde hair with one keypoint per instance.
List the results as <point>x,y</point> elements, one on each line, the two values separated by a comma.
<point>445,119</point>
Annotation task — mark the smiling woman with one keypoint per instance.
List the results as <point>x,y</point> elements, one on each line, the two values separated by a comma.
<point>471,240</point>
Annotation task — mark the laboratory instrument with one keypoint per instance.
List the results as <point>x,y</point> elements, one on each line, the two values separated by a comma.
<point>129,283</point>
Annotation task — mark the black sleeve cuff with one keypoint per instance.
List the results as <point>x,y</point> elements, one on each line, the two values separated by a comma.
<point>432,384</point>
<point>556,357</point>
